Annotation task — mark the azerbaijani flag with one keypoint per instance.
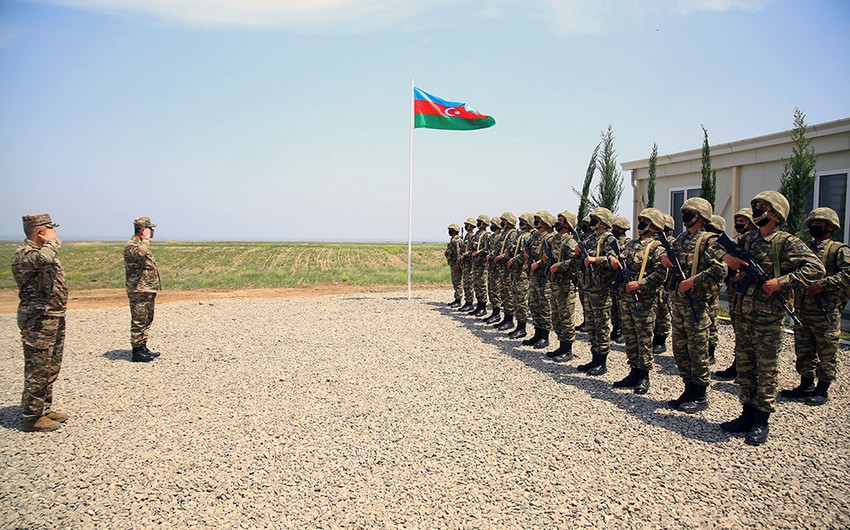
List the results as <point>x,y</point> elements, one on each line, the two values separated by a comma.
<point>432,112</point>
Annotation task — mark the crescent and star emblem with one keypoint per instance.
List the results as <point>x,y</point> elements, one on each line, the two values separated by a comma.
<point>452,111</point>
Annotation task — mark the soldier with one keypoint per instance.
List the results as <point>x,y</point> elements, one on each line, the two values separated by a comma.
<point>466,266</point>
<point>584,232</point>
<point>494,289</point>
<point>662,304</point>
<point>743,224</point>
<point>142,285</point>
<point>43,297</point>
<point>597,295</point>
<point>479,265</point>
<point>637,297</point>
<point>621,226</point>
<point>759,332</point>
<point>538,286</point>
<point>816,341</point>
<point>454,252</point>
<point>509,236</point>
<point>562,275</point>
<point>716,226</point>
<point>690,299</point>
<point>520,276</point>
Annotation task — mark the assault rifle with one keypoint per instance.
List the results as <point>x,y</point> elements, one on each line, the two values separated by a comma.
<point>819,302</point>
<point>527,245</point>
<point>550,260</point>
<point>678,273</point>
<point>584,255</point>
<point>624,276</point>
<point>755,273</point>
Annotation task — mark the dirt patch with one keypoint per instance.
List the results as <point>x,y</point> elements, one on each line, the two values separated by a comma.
<point>95,298</point>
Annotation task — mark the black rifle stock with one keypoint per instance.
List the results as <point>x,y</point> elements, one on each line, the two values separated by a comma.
<point>550,260</point>
<point>677,271</point>
<point>584,255</point>
<point>624,276</point>
<point>755,273</point>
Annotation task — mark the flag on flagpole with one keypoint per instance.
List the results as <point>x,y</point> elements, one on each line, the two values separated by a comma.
<point>432,112</point>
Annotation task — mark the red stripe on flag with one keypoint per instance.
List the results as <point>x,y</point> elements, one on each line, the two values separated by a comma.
<point>429,107</point>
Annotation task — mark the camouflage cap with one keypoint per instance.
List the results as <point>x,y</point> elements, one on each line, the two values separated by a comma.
<point>496,221</point>
<point>700,206</point>
<point>546,218</point>
<point>824,214</point>
<point>654,216</point>
<point>143,222</point>
<point>528,218</point>
<point>604,215</point>
<point>36,220</point>
<point>776,200</point>
<point>622,223</point>
<point>570,218</point>
<point>454,227</point>
<point>669,222</point>
<point>483,218</point>
<point>509,218</point>
<point>469,221</point>
<point>718,222</point>
<point>746,213</point>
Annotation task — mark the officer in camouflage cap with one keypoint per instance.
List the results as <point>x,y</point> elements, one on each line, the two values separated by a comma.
<point>454,252</point>
<point>142,285</point>
<point>43,297</point>
<point>690,299</point>
<point>819,307</point>
<point>503,255</point>
<point>479,265</point>
<point>494,289</point>
<point>621,226</point>
<point>466,266</point>
<point>518,266</point>
<point>563,277</point>
<point>538,286</point>
<point>758,338</point>
<point>662,304</point>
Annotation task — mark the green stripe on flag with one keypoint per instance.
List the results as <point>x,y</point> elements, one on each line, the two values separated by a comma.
<point>433,121</point>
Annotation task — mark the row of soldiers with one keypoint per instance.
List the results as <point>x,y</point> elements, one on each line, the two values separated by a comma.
<point>535,268</point>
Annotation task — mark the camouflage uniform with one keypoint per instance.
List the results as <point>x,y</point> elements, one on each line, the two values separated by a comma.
<point>597,295</point>
<point>494,289</point>
<point>662,303</point>
<point>621,224</point>
<point>563,289</point>
<point>466,266</point>
<point>142,282</point>
<point>43,297</point>
<point>454,251</point>
<point>539,289</point>
<point>507,244</point>
<point>479,265</point>
<point>519,277</point>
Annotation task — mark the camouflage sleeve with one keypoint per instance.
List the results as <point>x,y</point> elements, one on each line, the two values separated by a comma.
<point>715,268</point>
<point>658,274</point>
<point>567,259</point>
<point>605,253</point>
<point>841,279</point>
<point>804,265</point>
<point>46,255</point>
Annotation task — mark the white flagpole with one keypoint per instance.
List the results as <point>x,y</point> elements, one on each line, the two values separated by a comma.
<point>410,197</point>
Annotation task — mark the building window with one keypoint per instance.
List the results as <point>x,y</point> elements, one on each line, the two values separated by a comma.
<point>831,191</point>
<point>678,196</point>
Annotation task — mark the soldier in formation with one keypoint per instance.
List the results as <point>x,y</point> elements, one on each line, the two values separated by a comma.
<point>563,277</point>
<point>142,282</point>
<point>466,266</point>
<point>539,289</point>
<point>454,253</point>
<point>503,254</point>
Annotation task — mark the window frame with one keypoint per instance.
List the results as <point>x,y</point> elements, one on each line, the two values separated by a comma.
<point>678,227</point>
<point>816,196</point>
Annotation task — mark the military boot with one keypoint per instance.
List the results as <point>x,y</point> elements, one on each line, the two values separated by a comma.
<point>481,310</point>
<point>601,367</point>
<point>474,309</point>
<point>805,389</point>
<point>729,373</point>
<point>587,366</point>
<point>659,344</point>
<point>519,332</point>
<point>686,396</point>
<point>580,327</point>
<point>566,354</point>
<point>507,323</point>
<point>455,303</point>
<point>742,423</point>
<point>494,316</point>
<point>543,341</point>
<point>617,335</point>
<point>534,338</point>
<point>465,307</point>
<point>153,354</point>
<point>820,395</point>
<point>59,417</point>
<point>40,424</point>
<point>642,386</point>
<point>711,349</point>
<point>139,355</point>
<point>556,352</point>
<point>757,435</point>
<point>697,401</point>
<point>628,381</point>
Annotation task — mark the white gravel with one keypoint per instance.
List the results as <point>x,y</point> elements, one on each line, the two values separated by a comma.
<point>373,411</point>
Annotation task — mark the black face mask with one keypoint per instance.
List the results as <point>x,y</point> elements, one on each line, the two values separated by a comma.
<point>536,223</point>
<point>760,217</point>
<point>618,232</point>
<point>559,226</point>
<point>688,218</point>
<point>593,223</point>
<point>741,227</point>
<point>817,231</point>
<point>642,226</point>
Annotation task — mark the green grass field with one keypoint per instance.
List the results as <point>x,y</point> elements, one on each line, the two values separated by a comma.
<point>246,265</point>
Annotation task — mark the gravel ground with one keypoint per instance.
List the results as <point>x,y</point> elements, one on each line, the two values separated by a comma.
<point>377,412</point>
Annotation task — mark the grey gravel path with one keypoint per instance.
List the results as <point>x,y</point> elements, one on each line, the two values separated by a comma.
<point>375,412</point>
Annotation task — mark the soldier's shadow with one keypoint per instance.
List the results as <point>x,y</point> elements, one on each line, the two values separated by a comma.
<point>118,355</point>
<point>10,418</point>
<point>648,410</point>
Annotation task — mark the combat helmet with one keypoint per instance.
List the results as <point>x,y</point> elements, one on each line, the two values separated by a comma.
<point>718,223</point>
<point>508,218</point>
<point>776,200</point>
<point>454,227</point>
<point>669,222</point>
<point>528,218</point>
<point>484,219</point>
<point>496,221</point>
<point>546,218</point>
<point>622,223</point>
<point>604,215</point>
<point>746,213</point>
<point>699,206</point>
<point>824,214</point>
<point>654,216</point>
<point>571,218</point>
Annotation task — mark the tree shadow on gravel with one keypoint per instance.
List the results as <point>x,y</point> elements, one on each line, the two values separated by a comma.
<point>10,418</point>
<point>118,355</point>
<point>651,411</point>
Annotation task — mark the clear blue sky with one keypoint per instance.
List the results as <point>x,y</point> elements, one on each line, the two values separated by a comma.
<point>288,119</point>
